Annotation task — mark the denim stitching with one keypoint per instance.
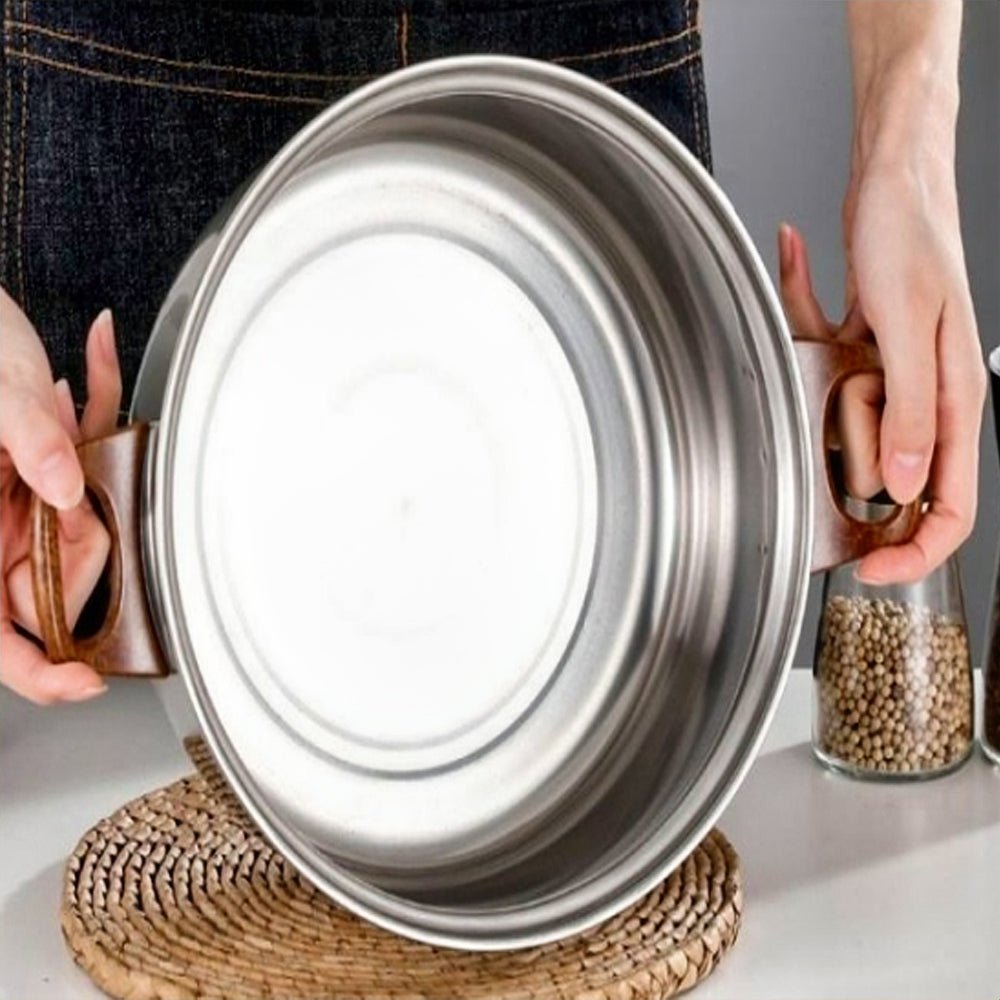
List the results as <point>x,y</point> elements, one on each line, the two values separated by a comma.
<point>184,64</point>
<point>8,112</point>
<point>706,132</point>
<point>695,97</point>
<point>625,49</point>
<point>403,33</point>
<point>654,70</point>
<point>184,88</point>
<point>699,73</point>
<point>21,173</point>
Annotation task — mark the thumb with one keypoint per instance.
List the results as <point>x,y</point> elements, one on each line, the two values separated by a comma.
<point>31,432</point>
<point>39,446</point>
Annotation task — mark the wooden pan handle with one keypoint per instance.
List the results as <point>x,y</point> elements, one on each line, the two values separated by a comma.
<point>125,644</point>
<point>839,537</point>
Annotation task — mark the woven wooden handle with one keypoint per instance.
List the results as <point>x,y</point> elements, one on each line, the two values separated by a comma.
<point>839,537</point>
<point>125,644</point>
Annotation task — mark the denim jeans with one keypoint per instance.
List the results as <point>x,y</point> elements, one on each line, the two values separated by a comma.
<point>127,123</point>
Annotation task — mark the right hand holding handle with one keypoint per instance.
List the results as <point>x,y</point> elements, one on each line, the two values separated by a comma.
<point>38,430</point>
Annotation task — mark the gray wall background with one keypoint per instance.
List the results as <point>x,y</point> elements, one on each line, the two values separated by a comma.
<point>779,93</point>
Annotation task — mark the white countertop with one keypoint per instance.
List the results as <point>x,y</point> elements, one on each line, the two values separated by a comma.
<point>854,891</point>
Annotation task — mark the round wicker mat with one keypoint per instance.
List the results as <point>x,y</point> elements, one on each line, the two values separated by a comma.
<point>178,896</point>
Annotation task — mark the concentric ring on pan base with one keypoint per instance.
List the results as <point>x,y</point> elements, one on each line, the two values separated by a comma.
<point>475,479</point>
<point>176,897</point>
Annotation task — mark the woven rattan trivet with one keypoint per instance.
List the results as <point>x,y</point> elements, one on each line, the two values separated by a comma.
<point>178,896</point>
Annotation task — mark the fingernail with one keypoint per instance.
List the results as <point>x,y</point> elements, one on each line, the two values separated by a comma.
<point>64,403</point>
<point>907,478</point>
<point>106,334</point>
<point>56,472</point>
<point>907,474</point>
<point>785,245</point>
<point>908,460</point>
<point>85,692</point>
<point>63,391</point>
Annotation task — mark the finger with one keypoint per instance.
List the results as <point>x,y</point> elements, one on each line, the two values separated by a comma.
<point>941,531</point>
<point>908,421</point>
<point>25,670</point>
<point>906,325</point>
<point>104,379</point>
<point>951,515</point>
<point>84,548</point>
<point>30,431</point>
<point>39,446</point>
<point>855,327</point>
<point>66,410</point>
<point>859,414</point>
<point>848,212</point>
<point>77,521</point>
<point>804,312</point>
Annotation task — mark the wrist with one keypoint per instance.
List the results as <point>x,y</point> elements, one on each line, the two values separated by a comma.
<point>906,112</point>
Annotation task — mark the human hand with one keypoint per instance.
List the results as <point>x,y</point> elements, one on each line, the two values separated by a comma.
<point>38,431</point>
<point>921,429</point>
<point>906,274</point>
<point>906,282</point>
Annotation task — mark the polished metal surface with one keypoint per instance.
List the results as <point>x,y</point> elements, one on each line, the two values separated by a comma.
<point>478,519</point>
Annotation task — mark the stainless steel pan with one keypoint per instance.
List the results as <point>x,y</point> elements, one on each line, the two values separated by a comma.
<point>473,490</point>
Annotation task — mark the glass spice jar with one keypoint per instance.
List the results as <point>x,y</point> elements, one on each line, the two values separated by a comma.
<point>893,692</point>
<point>991,686</point>
<point>991,678</point>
